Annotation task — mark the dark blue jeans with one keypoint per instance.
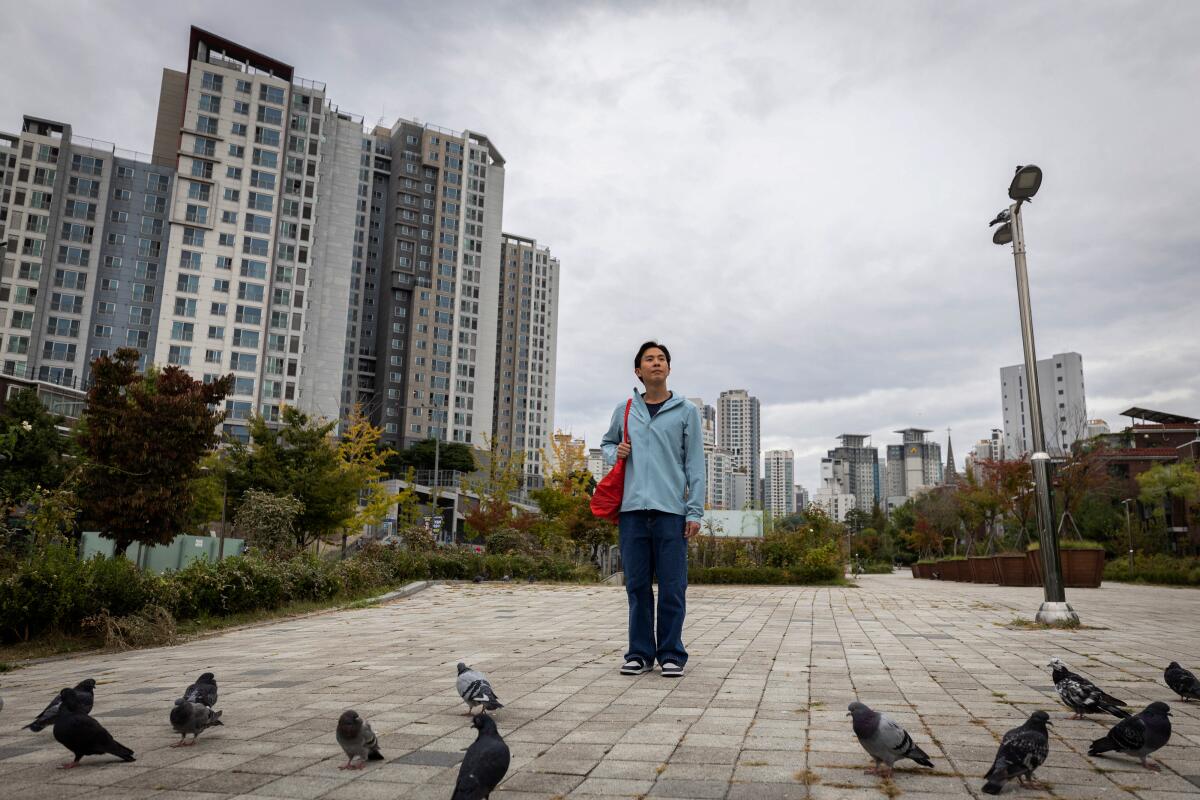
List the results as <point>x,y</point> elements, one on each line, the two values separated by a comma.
<point>652,545</point>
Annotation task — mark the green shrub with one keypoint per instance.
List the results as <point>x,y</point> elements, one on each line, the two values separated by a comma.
<point>1071,544</point>
<point>877,568</point>
<point>1161,569</point>
<point>44,593</point>
<point>763,576</point>
<point>117,585</point>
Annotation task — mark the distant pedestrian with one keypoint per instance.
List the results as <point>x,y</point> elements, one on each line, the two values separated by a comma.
<point>661,510</point>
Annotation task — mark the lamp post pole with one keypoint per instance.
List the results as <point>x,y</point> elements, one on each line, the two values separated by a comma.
<point>1129,534</point>
<point>1055,607</point>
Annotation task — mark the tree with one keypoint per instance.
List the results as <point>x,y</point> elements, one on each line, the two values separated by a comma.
<point>267,521</point>
<point>143,436</point>
<point>31,448</point>
<point>503,476</point>
<point>1165,484</point>
<point>454,456</point>
<point>361,457</point>
<point>299,458</point>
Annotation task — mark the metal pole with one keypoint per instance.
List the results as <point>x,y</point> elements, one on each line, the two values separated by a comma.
<point>1129,533</point>
<point>1055,607</point>
<point>224,505</point>
<point>437,452</point>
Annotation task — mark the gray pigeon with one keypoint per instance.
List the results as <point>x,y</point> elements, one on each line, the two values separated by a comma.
<point>187,717</point>
<point>203,691</point>
<point>1139,736</point>
<point>1081,695</point>
<point>84,697</point>
<point>884,739</point>
<point>1182,682</point>
<point>475,689</point>
<point>484,764</point>
<point>82,735</point>
<point>357,739</point>
<point>1022,750</point>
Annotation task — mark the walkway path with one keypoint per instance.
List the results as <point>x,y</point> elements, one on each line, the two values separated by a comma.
<point>760,714</point>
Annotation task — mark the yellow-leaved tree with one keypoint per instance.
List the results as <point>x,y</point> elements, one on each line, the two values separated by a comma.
<point>360,455</point>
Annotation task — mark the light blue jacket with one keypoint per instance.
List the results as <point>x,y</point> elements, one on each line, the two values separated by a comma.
<point>666,462</point>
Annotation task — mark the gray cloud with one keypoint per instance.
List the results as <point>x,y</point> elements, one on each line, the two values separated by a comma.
<point>794,196</point>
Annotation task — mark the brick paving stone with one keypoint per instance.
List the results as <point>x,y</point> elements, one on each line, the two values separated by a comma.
<point>761,708</point>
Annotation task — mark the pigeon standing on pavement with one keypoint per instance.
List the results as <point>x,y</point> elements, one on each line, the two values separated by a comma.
<point>203,691</point>
<point>84,697</point>
<point>1081,695</point>
<point>1022,750</point>
<point>1139,736</point>
<point>484,764</point>
<point>475,689</point>
<point>1182,682</point>
<point>188,717</point>
<point>82,735</point>
<point>884,739</point>
<point>357,739</point>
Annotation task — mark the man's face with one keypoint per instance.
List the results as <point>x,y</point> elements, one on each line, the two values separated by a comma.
<point>654,366</point>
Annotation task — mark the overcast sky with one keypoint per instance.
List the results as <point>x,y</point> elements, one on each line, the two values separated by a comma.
<point>794,197</point>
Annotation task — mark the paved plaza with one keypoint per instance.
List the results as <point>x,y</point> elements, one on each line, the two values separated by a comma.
<point>760,714</point>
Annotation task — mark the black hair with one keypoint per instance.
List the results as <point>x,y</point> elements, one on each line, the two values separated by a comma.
<point>637,360</point>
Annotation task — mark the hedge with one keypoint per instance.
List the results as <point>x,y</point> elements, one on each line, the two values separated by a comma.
<point>58,591</point>
<point>769,576</point>
<point>1161,569</point>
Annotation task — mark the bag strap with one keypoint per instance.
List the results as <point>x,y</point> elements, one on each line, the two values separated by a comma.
<point>625,425</point>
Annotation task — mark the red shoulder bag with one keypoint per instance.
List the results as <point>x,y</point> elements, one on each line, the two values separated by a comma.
<point>610,491</point>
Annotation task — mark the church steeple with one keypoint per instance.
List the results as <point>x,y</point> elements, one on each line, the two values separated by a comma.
<point>950,476</point>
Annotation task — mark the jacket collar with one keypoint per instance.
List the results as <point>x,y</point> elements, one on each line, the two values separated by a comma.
<point>640,402</point>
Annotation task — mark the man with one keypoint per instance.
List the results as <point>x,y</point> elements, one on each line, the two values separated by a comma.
<point>660,511</point>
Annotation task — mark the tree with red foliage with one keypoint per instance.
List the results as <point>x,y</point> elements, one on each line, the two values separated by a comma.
<point>143,436</point>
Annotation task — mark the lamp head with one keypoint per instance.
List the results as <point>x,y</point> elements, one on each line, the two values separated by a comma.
<point>1025,183</point>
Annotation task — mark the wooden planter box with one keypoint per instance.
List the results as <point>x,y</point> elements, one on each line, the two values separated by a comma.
<point>1082,569</point>
<point>956,570</point>
<point>924,571</point>
<point>983,569</point>
<point>1016,570</point>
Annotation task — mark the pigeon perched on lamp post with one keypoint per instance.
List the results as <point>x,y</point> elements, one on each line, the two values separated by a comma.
<point>1081,695</point>
<point>193,718</point>
<point>357,739</point>
<point>884,740</point>
<point>82,735</point>
<point>84,697</point>
<point>203,691</point>
<point>476,690</point>
<point>1182,682</point>
<point>1022,750</point>
<point>484,764</point>
<point>1139,735</point>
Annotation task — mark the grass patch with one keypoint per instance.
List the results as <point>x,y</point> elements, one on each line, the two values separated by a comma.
<point>807,777</point>
<point>754,764</point>
<point>1022,624</point>
<point>999,694</point>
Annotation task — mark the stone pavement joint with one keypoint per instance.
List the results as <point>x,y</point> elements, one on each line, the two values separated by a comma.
<point>759,715</point>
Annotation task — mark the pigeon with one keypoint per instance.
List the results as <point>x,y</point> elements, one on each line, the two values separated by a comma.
<point>475,689</point>
<point>203,691</point>
<point>1081,695</point>
<point>484,764</point>
<point>82,735</point>
<point>1139,736</point>
<point>478,579</point>
<point>1003,216</point>
<point>884,739</point>
<point>1182,682</point>
<point>357,739</point>
<point>84,697</point>
<point>188,717</point>
<point>1022,750</point>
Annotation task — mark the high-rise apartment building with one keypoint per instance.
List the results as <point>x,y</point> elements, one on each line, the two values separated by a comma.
<point>82,228</point>
<point>912,466</point>
<point>1064,406</point>
<point>779,482</point>
<point>801,498</point>
<point>527,343</point>
<point>596,463</point>
<point>861,465</point>
<point>834,496</point>
<point>738,431</point>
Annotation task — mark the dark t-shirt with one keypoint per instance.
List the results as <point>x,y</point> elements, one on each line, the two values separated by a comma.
<point>654,407</point>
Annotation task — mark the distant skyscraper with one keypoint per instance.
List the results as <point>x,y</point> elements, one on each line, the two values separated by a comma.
<point>779,486</point>
<point>801,498</point>
<point>861,465</point>
<point>911,466</point>
<point>596,464</point>
<point>950,474</point>
<point>1096,427</point>
<point>527,340</point>
<point>738,431</point>
<point>1064,406</point>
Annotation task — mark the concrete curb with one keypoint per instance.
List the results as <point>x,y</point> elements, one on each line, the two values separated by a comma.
<point>403,591</point>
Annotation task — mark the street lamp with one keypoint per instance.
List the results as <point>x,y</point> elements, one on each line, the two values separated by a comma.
<point>1129,534</point>
<point>1055,608</point>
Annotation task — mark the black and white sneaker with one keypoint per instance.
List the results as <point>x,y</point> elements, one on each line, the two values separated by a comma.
<point>672,670</point>
<point>634,666</point>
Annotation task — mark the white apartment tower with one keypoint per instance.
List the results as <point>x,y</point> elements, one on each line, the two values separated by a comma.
<point>1064,407</point>
<point>738,431</point>
<point>527,338</point>
<point>779,482</point>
